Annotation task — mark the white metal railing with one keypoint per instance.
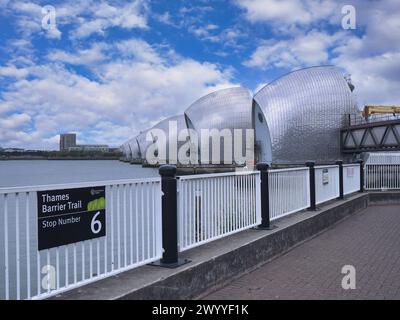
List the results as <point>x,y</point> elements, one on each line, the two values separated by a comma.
<point>212,206</point>
<point>289,191</point>
<point>326,183</point>
<point>382,176</point>
<point>382,171</point>
<point>351,178</point>
<point>133,238</point>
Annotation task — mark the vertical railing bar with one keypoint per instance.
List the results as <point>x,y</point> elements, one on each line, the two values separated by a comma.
<point>6,261</point>
<point>75,262</point>
<point>203,209</point>
<point>191,224</point>
<point>28,253</point>
<point>48,266</point>
<point>131,218</point>
<point>247,199</point>
<point>184,213</point>
<point>142,218</point>
<point>83,262</point>
<point>148,219</point>
<point>227,203</point>
<point>66,267</point>
<point>240,202</point>
<point>105,240</point>
<point>197,208</point>
<point>98,256</point>
<point>153,205</point>
<point>217,203</point>
<point>112,229</point>
<point>17,244</point>
<point>58,268</point>
<point>137,223</point>
<point>125,237</point>
<point>90,259</point>
<point>118,226</point>
<point>38,272</point>
<point>212,211</point>
<point>207,208</point>
<point>180,215</point>
<point>226,215</point>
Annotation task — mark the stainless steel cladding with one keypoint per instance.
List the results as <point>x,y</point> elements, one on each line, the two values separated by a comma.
<point>224,109</point>
<point>135,150</point>
<point>143,144</point>
<point>126,151</point>
<point>170,129</point>
<point>305,110</point>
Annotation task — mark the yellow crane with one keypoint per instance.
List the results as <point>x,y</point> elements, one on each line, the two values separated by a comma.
<point>369,110</point>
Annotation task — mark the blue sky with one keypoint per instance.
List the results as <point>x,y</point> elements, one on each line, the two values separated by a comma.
<point>108,69</point>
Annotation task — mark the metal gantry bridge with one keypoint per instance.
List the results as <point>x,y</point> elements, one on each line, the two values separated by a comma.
<point>378,134</point>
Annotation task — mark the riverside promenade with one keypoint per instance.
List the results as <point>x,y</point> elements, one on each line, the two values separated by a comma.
<point>368,240</point>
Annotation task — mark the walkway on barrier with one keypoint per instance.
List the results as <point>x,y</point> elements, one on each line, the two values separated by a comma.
<point>369,241</point>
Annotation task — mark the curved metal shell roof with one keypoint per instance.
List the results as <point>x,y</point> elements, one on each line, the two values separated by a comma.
<point>305,110</point>
<point>143,144</point>
<point>135,151</point>
<point>165,125</point>
<point>126,150</point>
<point>224,109</point>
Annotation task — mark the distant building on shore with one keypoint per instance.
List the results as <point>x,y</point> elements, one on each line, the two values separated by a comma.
<point>68,143</point>
<point>67,140</point>
<point>10,150</point>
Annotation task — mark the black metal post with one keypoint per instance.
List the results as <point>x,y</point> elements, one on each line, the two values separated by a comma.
<point>265,218</point>
<point>361,162</point>
<point>169,209</point>
<point>311,166</point>
<point>341,186</point>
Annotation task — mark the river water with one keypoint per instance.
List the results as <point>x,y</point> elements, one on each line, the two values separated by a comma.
<point>43,172</point>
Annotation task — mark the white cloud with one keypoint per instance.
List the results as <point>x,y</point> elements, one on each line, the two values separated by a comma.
<point>12,71</point>
<point>307,50</point>
<point>141,86</point>
<point>370,54</point>
<point>301,12</point>
<point>85,17</point>
<point>14,121</point>
<point>89,56</point>
<point>100,16</point>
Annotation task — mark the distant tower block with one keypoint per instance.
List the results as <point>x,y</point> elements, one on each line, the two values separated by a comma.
<point>67,140</point>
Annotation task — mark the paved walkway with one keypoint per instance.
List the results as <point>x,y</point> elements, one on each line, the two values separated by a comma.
<point>370,241</point>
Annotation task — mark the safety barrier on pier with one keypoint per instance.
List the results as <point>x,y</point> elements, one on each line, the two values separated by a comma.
<point>129,223</point>
<point>212,206</point>
<point>133,238</point>
<point>289,191</point>
<point>351,178</point>
<point>382,171</point>
<point>326,183</point>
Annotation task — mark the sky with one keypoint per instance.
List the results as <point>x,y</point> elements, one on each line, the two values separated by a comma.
<point>108,69</point>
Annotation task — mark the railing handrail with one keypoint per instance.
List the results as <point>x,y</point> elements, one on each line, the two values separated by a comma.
<point>382,164</point>
<point>216,175</point>
<point>24,189</point>
<point>351,165</point>
<point>289,169</point>
<point>326,166</point>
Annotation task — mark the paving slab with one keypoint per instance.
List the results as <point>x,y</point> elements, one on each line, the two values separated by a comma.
<point>368,240</point>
